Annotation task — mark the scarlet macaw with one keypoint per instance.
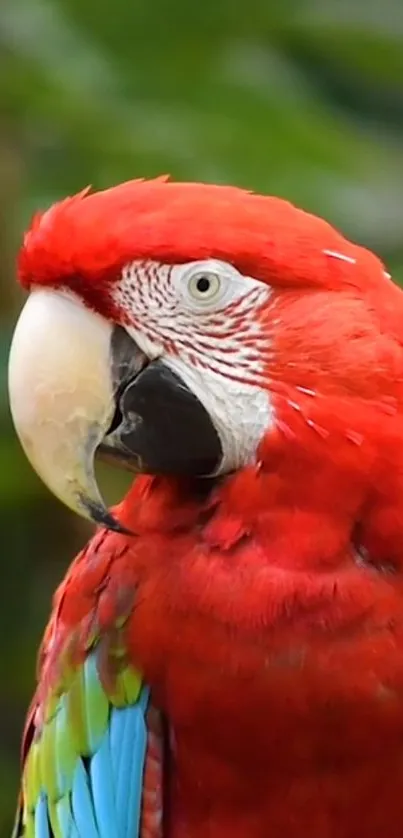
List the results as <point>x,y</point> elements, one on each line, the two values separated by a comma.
<point>225,657</point>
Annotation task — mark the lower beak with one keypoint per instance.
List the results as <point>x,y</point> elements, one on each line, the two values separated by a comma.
<point>80,385</point>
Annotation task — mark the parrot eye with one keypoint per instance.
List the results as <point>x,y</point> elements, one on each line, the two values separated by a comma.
<point>210,285</point>
<point>204,286</point>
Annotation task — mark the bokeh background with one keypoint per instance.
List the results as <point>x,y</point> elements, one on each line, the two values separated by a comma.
<point>301,98</point>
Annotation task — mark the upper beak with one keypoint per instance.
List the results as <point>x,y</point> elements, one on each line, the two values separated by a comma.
<point>63,381</point>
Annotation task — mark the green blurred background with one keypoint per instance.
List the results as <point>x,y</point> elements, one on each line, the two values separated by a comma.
<point>301,98</point>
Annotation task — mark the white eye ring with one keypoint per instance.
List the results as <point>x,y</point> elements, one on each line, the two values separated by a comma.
<point>204,286</point>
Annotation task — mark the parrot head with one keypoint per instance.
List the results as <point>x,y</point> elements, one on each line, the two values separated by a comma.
<point>196,330</point>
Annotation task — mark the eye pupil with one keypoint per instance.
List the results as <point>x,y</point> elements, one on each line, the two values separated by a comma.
<point>203,284</point>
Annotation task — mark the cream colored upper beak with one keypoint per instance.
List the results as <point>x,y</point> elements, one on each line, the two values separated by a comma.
<point>61,393</point>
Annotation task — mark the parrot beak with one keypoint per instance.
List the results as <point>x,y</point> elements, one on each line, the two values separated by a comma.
<point>62,394</point>
<point>80,386</point>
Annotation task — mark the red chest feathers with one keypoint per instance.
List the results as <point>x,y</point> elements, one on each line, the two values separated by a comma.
<point>283,689</point>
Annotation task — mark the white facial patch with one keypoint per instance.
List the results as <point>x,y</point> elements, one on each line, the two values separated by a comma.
<point>204,320</point>
<point>240,412</point>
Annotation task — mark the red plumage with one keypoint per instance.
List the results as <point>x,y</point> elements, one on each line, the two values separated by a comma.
<point>85,240</point>
<point>267,615</point>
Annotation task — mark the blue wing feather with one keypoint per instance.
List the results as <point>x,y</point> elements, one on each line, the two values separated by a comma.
<point>115,777</point>
<point>122,732</point>
<point>82,805</point>
<point>103,790</point>
<point>42,827</point>
<point>134,771</point>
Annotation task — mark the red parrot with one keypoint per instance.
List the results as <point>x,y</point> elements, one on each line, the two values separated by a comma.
<point>225,657</point>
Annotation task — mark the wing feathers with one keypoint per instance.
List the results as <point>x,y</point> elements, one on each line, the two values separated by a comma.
<point>83,776</point>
